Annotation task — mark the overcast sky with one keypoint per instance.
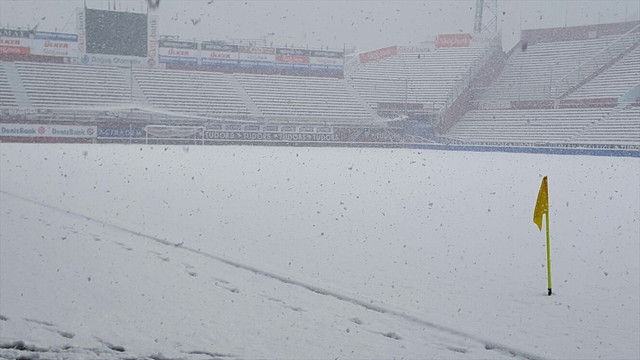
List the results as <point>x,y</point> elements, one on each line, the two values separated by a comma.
<point>362,24</point>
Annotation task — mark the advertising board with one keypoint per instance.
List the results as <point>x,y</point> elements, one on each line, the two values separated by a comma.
<point>177,52</point>
<point>379,54</point>
<point>152,41</point>
<point>80,30</point>
<point>116,60</point>
<point>218,54</point>
<point>122,132</point>
<point>39,43</point>
<point>32,130</point>
<point>256,56</point>
<point>453,40</point>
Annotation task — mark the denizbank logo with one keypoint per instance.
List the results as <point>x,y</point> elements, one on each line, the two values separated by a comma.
<point>67,131</point>
<point>11,130</point>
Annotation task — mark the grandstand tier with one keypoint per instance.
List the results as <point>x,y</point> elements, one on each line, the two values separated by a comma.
<point>430,78</point>
<point>614,81</point>
<point>299,98</point>
<point>528,126</point>
<point>562,63</point>
<point>7,98</point>
<point>73,86</point>
<point>191,92</point>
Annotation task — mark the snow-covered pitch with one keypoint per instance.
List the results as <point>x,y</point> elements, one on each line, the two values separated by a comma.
<point>156,252</point>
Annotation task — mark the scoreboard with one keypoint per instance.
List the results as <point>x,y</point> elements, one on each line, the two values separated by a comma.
<point>116,33</point>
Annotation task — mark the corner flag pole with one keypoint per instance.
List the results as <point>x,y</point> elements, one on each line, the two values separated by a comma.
<point>542,208</point>
<point>548,254</point>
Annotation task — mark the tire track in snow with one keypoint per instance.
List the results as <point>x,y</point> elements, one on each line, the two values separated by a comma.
<point>488,344</point>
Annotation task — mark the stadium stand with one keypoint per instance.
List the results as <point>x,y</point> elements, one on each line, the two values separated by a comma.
<point>429,78</point>
<point>191,92</point>
<point>307,99</point>
<point>529,126</point>
<point>563,87</point>
<point>73,86</point>
<point>614,81</point>
<point>560,87</point>
<point>7,98</point>
<point>622,127</point>
<point>533,71</point>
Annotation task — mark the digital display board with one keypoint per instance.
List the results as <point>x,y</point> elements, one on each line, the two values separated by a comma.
<point>116,33</point>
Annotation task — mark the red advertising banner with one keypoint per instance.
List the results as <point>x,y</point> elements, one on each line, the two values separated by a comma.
<point>453,40</point>
<point>292,59</point>
<point>14,50</point>
<point>379,54</point>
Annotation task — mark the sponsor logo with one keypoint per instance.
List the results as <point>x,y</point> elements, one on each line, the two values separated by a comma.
<point>10,42</point>
<point>299,52</point>
<point>153,37</point>
<point>256,50</point>
<point>41,130</point>
<point>17,131</point>
<point>151,63</point>
<point>85,59</point>
<point>16,33</point>
<point>16,50</point>
<point>57,45</point>
<point>178,52</point>
<point>80,29</point>
<point>453,40</point>
<point>219,47</point>
<point>294,59</point>
<point>326,54</point>
<point>178,44</point>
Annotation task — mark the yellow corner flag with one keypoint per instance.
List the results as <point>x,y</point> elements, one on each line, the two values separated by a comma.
<point>542,208</point>
<point>542,205</point>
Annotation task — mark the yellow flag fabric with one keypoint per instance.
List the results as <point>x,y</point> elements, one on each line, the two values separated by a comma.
<point>542,205</point>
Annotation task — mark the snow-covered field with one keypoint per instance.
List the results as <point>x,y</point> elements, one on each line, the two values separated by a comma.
<point>129,251</point>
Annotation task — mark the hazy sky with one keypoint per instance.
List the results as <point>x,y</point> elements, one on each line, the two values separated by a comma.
<point>363,24</point>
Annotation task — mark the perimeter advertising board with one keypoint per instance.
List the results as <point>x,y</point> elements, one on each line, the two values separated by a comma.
<point>13,46</point>
<point>60,131</point>
<point>116,60</point>
<point>257,56</point>
<point>453,40</point>
<point>177,52</point>
<point>311,135</point>
<point>292,58</point>
<point>120,132</point>
<point>322,59</point>
<point>219,54</point>
<point>19,42</point>
<point>379,54</point>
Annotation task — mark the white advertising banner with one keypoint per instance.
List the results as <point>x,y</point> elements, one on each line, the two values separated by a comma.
<point>152,42</point>
<point>265,57</point>
<point>82,34</point>
<point>177,52</point>
<point>53,48</point>
<point>116,60</point>
<point>66,131</point>
<point>43,47</point>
